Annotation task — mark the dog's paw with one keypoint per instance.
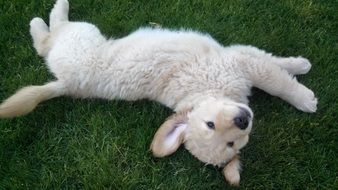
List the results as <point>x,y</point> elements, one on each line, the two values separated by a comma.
<point>305,99</point>
<point>299,65</point>
<point>37,25</point>
<point>36,22</point>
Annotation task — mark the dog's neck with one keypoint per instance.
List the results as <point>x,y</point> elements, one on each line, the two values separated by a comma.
<point>193,99</point>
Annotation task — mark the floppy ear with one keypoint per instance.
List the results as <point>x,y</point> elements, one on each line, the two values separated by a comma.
<point>231,171</point>
<point>170,135</point>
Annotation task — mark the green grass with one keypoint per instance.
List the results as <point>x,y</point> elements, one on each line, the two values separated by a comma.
<point>95,144</point>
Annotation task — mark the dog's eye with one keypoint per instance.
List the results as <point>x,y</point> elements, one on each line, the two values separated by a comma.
<point>211,125</point>
<point>230,144</point>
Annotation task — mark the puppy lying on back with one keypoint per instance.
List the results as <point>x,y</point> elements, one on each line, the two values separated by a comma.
<point>205,83</point>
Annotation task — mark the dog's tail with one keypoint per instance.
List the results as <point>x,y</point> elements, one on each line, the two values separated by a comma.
<point>27,98</point>
<point>59,14</point>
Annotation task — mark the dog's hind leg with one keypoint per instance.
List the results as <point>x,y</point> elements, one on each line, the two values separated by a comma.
<point>59,14</point>
<point>40,35</point>
<point>27,98</point>
<point>40,31</point>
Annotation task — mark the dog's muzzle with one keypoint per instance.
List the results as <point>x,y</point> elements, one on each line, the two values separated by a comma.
<point>243,119</point>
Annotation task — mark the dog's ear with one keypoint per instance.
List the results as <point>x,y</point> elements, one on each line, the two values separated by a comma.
<point>170,135</point>
<point>231,171</point>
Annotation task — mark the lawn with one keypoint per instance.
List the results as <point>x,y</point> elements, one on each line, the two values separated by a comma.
<point>94,144</point>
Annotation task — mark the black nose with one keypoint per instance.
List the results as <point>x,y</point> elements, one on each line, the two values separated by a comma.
<point>243,119</point>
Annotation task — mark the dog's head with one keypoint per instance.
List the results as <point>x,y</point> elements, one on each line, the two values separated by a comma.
<point>213,131</point>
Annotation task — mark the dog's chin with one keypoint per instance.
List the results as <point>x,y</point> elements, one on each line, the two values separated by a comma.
<point>213,152</point>
<point>217,156</point>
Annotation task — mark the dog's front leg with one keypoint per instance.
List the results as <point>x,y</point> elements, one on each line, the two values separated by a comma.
<point>278,82</point>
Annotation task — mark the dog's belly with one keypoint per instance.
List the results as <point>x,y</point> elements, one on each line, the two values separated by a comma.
<point>89,75</point>
<point>139,66</point>
<point>74,58</point>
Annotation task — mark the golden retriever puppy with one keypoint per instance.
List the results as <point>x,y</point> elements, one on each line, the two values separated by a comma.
<point>205,83</point>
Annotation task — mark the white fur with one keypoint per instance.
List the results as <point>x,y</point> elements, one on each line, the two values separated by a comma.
<point>165,65</point>
<point>175,68</point>
<point>184,70</point>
